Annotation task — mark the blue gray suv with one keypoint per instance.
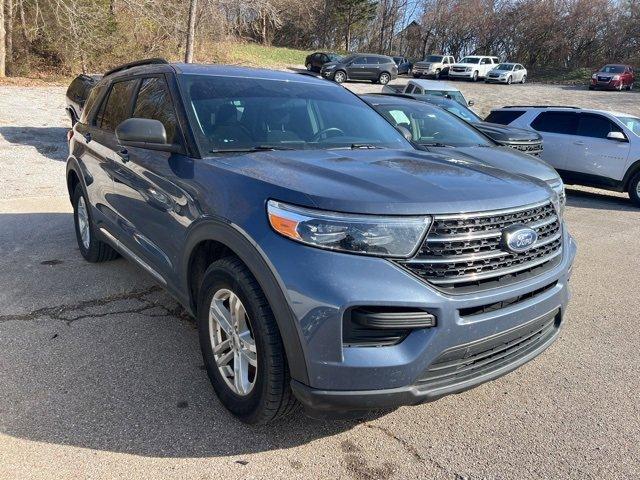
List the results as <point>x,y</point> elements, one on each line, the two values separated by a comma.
<point>327,261</point>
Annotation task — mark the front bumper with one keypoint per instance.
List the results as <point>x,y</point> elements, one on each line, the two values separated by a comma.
<point>321,286</point>
<point>496,80</point>
<point>460,74</point>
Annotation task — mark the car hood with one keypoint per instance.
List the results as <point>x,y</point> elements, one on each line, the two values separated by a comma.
<point>330,64</point>
<point>465,64</point>
<point>507,133</point>
<point>384,181</point>
<point>505,158</point>
<point>423,64</point>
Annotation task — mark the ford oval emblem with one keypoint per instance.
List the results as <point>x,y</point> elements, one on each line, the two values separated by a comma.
<point>518,238</point>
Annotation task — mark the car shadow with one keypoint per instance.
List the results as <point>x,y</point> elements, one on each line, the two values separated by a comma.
<point>599,200</point>
<point>120,371</point>
<point>50,142</point>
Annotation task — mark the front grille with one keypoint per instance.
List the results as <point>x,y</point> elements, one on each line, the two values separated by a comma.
<point>471,360</point>
<point>494,75</point>
<point>464,253</point>
<point>532,148</point>
<point>458,69</point>
<point>604,79</point>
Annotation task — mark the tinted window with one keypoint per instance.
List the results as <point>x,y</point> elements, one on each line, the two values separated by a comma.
<point>245,113</point>
<point>612,69</point>
<point>504,117</point>
<point>95,94</point>
<point>556,122</point>
<point>410,89</point>
<point>595,126</point>
<point>373,60</point>
<point>433,58</point>
<point>360,60</point>
<point>154,102</point>
<point>469,60</point>
<point>117,106</point>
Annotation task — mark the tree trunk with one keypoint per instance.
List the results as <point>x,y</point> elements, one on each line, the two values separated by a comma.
<point>3,39</point>
<point>9,54</point>
<point>191,31</point>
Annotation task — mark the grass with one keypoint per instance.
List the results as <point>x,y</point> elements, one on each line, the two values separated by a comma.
<point>252,54</point>
<point>562,75</point>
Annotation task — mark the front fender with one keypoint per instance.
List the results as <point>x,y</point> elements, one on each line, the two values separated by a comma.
<point>241,244</point>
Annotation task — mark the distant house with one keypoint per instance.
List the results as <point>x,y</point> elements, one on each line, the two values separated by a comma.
<point>408,41</point>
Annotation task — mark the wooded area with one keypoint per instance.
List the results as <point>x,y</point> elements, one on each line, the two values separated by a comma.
<point>90,35</point>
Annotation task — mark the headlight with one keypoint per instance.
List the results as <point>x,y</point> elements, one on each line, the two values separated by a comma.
<point>364,234</point>
<point>560,197</point>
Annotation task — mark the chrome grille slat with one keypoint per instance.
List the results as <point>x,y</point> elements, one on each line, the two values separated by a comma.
<point>466,250</point>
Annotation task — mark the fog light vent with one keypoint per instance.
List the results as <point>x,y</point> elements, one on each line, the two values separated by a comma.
<point>383,326</point>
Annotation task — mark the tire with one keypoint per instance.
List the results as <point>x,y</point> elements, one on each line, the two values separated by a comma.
<point>509,80</point>
<point>631,86</point>
<point>619,87</point>
<point>590,87</point>
<point>437,75</point>
<point>634,189</point>
<point>416,75</point>
<point>524,79</point>
<point>308,67</point>
<point>269,396</point>
<point>340,76</point>
<point>384,78</point>
<point>92,249</point>
<point>474,78</point>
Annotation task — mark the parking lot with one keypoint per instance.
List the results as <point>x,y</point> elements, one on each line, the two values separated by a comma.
<point>101,374</point>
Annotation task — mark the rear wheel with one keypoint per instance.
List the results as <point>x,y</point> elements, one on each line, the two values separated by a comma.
<point>340,76</point>
<point>241,344</point>
<point>92,249</point>
<point>524,79</point>
<point>475,76</point>
<point>384,78</point>
<point>634,189</point>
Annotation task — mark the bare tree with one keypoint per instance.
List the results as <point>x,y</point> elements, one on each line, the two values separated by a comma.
<point>191,31</point>
<point>3,40</point>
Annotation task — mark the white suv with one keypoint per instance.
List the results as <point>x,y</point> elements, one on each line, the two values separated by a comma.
<point>473,67</point>
<point>588,147</point>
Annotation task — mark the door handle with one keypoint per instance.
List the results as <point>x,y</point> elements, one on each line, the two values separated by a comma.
<point>123,153</point>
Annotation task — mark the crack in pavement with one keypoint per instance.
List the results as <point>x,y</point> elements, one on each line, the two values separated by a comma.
<point>60,312</point>
<point>410,449</point>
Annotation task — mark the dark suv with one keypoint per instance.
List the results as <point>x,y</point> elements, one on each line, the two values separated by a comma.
<point>325,259</point>
<point>315,61</point>
<point>361,66</point>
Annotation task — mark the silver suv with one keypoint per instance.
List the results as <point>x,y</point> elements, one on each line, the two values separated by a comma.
<point>588,147</point>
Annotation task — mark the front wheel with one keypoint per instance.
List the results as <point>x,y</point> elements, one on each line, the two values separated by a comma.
<point>634,189</point>
<point>340,76</point>
<point>475,76</point>
<point>92,249</point>
<point>384,78</point>
<point>308,67</point>
<point>241,344</point>
<point>509,80</point>
<point>437,75</point>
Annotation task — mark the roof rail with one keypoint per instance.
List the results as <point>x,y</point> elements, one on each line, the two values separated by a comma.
<point>541,106</point>
<point>137,63</point>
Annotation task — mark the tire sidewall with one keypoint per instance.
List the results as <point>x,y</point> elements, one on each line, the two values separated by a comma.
<point>90,253</point>
<point>222,275</point>
<point>475,76</point>
<point>633,189</point>
<point>383,76</point>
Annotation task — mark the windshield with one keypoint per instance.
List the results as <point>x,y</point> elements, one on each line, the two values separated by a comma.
<point>469,60</point>
<point>632,123</point>
<point>505,66</point>
<point>433,58</point>
<point>612,69</point>
<point>432,125</point>
<point>451,94</point>
<point>334,57</point>
<point>462,112</point>
<point>234,113</point>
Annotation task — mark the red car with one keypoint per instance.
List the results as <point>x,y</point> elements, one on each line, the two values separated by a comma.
<point>613,77</point>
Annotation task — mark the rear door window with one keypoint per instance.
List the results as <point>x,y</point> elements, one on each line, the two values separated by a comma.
<point>556,122</point>
<point>116,108</point>
<point>504,117</point>
<point>154,102</point>
<point>596,126</point>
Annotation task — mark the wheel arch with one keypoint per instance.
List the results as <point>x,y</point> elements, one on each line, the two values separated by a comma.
<point>631,172</point>
<point>212,239</point>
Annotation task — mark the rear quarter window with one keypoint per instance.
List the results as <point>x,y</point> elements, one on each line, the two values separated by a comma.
<point>504,117</point>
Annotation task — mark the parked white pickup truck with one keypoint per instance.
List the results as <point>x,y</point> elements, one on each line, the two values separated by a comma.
<point>473,67</point>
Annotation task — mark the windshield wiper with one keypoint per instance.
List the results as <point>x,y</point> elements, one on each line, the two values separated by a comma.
<point>435,144</point>
<point>257,148</point>
<point>365,146</point>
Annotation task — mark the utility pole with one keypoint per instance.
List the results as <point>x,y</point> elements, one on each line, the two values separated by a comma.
<point>191,31</point>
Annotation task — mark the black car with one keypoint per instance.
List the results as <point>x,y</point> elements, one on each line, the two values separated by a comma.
<point>77,94</point>
<point>527,141</point>
<point>361,66</point>
<point>315,61</point>
<point>404,65</point>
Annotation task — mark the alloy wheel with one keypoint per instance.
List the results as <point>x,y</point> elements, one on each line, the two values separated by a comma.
<point>524,79</point>
<point>234,347</point>
<point>509,80</point>
<point>83,223</point>
<point>384,79</point>
<point>339,77</point>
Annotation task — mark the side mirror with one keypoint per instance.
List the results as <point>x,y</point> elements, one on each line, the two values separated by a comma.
<point>144,133</point>
<point>405,132</point>
<point>619,136</point>
<point>471,103</point>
